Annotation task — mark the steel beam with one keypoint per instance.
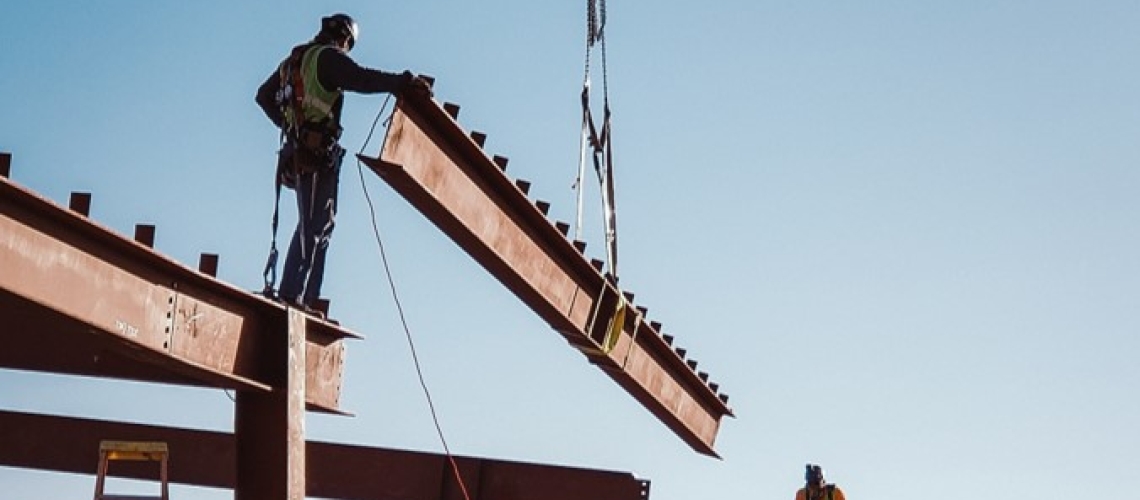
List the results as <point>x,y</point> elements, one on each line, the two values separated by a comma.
<point>204,458</point>
<point>79,299</point>
<point>445,174</point>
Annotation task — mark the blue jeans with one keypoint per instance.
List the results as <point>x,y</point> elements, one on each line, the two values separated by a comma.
<point>316,213</point>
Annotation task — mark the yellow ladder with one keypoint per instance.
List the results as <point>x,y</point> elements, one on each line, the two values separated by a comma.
<point>149,451</point>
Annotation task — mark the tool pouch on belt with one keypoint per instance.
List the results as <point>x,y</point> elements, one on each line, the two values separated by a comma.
<point>312,148</point>
<point>315,149</point>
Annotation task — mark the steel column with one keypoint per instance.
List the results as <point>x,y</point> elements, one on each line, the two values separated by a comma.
<point>270,427</point>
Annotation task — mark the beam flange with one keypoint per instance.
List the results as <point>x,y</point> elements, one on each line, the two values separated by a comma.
<point>445,174</point>
<point>81,299</point>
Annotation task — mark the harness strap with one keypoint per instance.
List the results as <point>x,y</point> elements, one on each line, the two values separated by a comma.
<point>270,272</point>
<point>297,100</point>
<point>291,76</point>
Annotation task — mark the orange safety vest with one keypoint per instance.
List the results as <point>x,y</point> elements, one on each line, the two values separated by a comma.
<point>832,493</point>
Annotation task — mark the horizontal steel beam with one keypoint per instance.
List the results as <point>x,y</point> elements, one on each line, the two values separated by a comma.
<point>444,173</point>
<point>79,299</point>
<point>337,471</point>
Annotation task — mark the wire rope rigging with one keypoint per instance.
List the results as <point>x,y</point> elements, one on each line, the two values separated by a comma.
<point>598,140</point>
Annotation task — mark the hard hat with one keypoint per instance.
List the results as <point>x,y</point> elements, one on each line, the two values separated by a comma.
<point>813,473</point>
<point>341,26</point>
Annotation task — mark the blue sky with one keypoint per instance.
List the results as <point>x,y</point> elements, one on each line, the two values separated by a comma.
<point>902,236</point>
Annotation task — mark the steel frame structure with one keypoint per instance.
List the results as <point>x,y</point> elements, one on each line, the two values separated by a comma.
<point>79,299</point>
<point>443,171</point>
<point>113,307</point>
<point>339,471</point>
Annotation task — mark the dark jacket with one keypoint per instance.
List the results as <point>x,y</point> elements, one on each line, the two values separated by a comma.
<point>336,71</point>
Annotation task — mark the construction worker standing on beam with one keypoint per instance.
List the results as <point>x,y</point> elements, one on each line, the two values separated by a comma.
<point>303,98</point>
<point>816,488</point>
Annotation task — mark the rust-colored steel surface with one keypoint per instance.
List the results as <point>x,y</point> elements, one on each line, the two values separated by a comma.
<point>270,427</point>
<point>204,458</point>
<point>80,299</point>
<point>443,172</point>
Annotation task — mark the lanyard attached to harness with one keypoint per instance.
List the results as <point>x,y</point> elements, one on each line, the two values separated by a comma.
<point>290,98</point>
<point>270,272</point>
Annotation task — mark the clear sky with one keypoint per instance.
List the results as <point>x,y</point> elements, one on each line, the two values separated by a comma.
<point>902,236</point>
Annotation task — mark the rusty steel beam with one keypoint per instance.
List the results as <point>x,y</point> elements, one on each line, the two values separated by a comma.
<point>80,299</point>
<point>446,175</point>
<point>337,471</point>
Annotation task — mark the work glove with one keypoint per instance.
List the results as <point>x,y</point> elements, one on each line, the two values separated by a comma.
<point>417,85</point>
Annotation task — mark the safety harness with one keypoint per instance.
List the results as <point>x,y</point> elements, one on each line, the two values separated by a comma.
<point>308,140</point>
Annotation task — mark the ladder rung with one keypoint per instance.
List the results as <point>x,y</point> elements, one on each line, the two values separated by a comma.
<point>136,455</point>
<point>134,450</point>
<point>133,446</point>
<point>109,451</point>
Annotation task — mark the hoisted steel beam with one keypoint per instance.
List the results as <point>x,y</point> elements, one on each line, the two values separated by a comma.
<point>443,172</point>
<point>204,458</point>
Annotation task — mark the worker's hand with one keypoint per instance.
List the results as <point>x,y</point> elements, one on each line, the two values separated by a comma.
<point>422,86</point>
<point>417,85</point>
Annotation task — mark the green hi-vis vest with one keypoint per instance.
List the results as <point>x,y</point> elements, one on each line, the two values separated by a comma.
<point>317,103</point>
